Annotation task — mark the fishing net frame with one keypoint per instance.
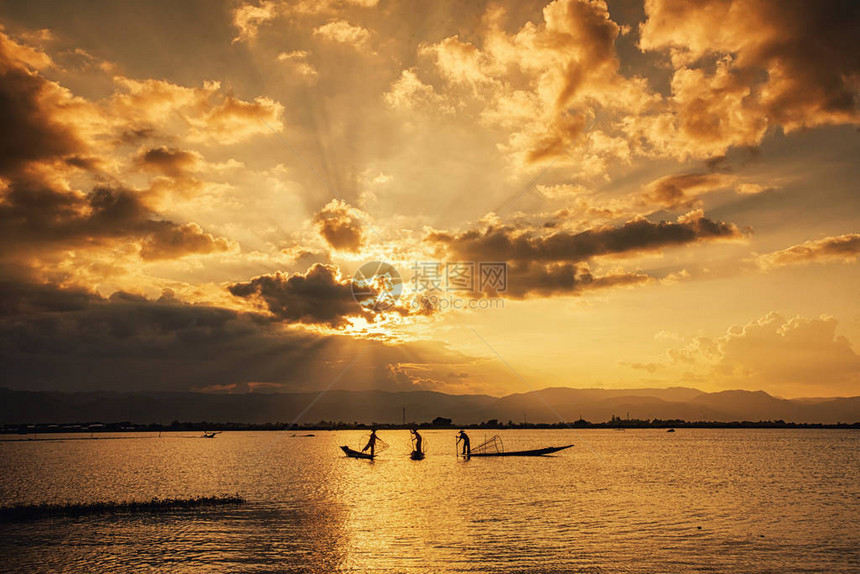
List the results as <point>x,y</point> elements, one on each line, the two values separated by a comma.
<point>492,445</point>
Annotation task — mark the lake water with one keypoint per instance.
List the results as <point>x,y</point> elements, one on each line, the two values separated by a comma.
<point>703,500</point>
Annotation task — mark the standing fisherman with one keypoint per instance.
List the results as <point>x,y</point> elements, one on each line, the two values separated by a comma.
<point>467,447</point>
<point>371,442</point>
<point>416,443</point>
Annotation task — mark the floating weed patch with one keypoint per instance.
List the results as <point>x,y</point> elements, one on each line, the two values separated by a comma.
<point>20,512</point>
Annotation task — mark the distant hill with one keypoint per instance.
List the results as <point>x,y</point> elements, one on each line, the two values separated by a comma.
<point>547,405</point>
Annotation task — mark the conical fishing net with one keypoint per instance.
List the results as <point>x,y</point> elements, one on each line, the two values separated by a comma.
<point>492,446</point>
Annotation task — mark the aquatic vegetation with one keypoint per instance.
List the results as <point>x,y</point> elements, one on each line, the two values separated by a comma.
<point>20,512</point>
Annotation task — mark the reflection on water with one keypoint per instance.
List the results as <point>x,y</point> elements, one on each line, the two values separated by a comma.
<point>642,501</point>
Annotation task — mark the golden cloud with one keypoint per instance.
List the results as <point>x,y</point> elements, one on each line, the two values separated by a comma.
<point>298,61</point>
<point>545,81</point>
<point>763,66</point>
<point>409,93</point>
<point>249,17</point>
<point>343,32</point>
<point>674,191</point>
<point>841,249</point>
<point>54,205</point>
<point>205,114</point>
<point>341,226</point>
<point>790,66</point>
<point>797,355</point>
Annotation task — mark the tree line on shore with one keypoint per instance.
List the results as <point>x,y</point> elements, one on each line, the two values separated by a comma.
<point>437,423</point>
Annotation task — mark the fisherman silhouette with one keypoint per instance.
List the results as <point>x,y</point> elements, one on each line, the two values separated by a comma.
<point>467,447</point>
<point>418,440</point>
<point>371,442</point>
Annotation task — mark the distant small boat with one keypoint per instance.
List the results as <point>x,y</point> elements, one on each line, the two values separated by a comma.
<point>535,452</point>
<point>210,434</point>
<point>671,430</point>
<point>356,454</point>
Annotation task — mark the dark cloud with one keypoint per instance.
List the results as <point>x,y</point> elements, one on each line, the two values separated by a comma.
<point>546,280</point>
<point>549,262</point>
<point>323,295</point>
<point>814,61</point>
<point>38,210</point>
<point>135,135</point>
<point>339,226</point>
<point>171,241</point>
<point>30,130</point>
<point>23,299</point>
<point>36,217</point>
<point>54,338</point>
<point>319,296</point>
<point>86,163</point>
<point>169,161</point>
<point>635,236</point>
<point>72,338</point>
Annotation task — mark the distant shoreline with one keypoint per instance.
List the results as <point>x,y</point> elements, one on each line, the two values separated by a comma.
<point>93,428</point>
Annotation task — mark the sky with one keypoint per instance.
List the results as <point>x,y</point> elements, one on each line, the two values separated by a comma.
<point>576,193</point>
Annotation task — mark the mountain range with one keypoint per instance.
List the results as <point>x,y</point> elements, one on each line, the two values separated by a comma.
<point>548,405</point>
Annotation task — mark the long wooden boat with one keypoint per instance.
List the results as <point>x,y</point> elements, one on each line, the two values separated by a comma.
<point>535,452</point>
<point>356,454</point>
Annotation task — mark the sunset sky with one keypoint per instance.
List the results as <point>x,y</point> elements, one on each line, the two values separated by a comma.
<point>187,188</point>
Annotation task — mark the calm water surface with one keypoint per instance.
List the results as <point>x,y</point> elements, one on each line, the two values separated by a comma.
<point>703,500</point>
